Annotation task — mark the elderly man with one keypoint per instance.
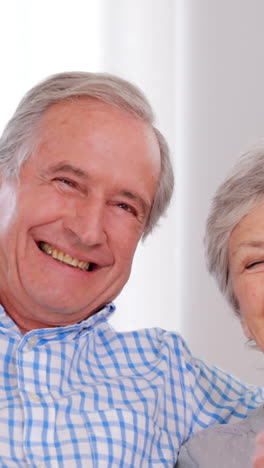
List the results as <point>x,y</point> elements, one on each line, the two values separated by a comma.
<point>84,175</point>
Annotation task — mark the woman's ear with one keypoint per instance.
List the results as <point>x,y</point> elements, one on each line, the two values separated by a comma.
<point>245,329</point>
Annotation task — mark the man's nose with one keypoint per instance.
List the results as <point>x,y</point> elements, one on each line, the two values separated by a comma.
<point>85,222</point>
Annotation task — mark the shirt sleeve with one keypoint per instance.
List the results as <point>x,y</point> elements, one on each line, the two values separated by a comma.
<point>212,395</point>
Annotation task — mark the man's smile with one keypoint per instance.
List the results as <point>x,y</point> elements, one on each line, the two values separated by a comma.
<point>64,257</point>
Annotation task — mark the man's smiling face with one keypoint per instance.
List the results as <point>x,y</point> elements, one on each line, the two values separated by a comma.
<point>82,204</point>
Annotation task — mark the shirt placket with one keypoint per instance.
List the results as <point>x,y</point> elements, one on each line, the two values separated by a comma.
<point>37,403</point>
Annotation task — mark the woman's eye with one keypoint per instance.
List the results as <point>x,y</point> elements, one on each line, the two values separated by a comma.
<point>253,264</point>
<point>65,181</point>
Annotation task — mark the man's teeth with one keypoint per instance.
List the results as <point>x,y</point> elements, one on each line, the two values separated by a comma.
<point>62,257</point>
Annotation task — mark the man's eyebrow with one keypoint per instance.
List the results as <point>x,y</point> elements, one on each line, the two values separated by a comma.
<point>65,167</point>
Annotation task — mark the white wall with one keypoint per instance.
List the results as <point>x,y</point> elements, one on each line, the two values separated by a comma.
<point>223,100</point>
<point>39,38</point>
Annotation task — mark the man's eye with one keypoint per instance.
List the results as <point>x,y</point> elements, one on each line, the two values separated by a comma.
<point>127,208</point>
<point>253,264</point>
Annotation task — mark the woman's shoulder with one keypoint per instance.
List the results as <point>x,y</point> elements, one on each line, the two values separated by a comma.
<point>221,445</point>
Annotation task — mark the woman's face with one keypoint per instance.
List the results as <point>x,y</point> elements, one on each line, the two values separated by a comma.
<point>246,263</point>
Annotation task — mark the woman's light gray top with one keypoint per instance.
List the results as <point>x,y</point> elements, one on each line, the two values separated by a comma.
<point>223,445</point>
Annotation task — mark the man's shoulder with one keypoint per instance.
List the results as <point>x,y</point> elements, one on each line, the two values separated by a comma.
<point>153,338</point>
<point>151,345</point>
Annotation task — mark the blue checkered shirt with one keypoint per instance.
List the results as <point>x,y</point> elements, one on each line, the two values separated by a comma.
<point>87,396</point>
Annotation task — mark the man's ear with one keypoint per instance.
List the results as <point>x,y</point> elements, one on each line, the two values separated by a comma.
<point>245,329</point>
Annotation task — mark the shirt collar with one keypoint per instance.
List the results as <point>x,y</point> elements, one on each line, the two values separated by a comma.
<point>9,327</point>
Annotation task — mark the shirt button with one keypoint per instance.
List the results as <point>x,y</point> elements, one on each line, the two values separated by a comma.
<point>32,341</point>
<point>34,397</point>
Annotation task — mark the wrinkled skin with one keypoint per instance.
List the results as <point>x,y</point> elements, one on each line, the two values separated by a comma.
<point>88,192</point>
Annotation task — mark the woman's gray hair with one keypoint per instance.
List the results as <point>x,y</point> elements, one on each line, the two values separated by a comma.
<point>236,197</point>
<point>19,142</point>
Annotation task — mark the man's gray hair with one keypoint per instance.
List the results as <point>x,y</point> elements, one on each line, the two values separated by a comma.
<point>18,141</point>
<point>237,196</point>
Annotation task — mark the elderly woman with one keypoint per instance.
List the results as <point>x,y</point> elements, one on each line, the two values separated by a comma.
<point>235,253</point>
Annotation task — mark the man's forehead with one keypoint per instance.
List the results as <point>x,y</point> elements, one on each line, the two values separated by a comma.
<point>71,113</point>
<point>101,125</point>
